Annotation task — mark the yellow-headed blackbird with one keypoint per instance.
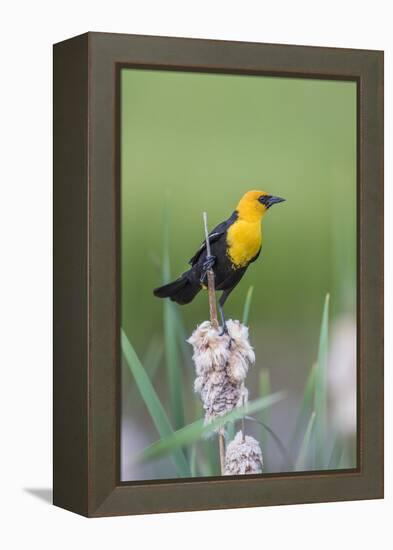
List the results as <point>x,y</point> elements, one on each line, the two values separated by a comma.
<point>234,243</point>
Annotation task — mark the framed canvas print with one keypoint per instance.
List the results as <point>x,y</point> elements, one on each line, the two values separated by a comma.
<point>218,274</point>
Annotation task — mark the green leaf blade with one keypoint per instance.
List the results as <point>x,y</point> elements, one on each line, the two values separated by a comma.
<point>304,448</point>
<point>171,335</point>
<point>264,390</point>
<point>192,432</point>
<point>247,305</point>
<point>320,396</point>
<point>152,402</point>
<point>172,361</point>
<point>306,406</point>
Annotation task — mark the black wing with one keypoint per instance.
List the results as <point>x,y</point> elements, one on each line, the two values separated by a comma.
<point>214,235</point>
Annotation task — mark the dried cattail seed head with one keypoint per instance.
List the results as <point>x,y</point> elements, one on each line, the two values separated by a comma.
<point>242,355</point>
<point>221,365</point>
<point>243,456</point>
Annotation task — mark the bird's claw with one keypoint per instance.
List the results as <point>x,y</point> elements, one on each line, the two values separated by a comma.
<point>207,264</point>
<point>225,330</point>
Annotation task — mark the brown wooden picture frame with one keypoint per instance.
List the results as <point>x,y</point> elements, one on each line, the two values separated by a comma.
<point>86,274</point>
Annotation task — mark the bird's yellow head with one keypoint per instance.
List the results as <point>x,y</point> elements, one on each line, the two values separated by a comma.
<point>254,204</point>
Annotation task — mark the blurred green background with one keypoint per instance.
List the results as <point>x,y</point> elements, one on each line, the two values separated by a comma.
<point>192,142</point>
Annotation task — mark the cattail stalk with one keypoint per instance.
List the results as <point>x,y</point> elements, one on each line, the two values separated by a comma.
<point>214,322</point>
<point>243,423</point>
<point>210,280</point>
<point>221,363</point>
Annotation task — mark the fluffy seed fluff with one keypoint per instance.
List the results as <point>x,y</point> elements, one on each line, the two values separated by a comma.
<point>221,364</point>
<point>243,456</point>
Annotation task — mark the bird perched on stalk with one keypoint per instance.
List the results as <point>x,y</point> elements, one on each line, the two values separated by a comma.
<point>234,244</point>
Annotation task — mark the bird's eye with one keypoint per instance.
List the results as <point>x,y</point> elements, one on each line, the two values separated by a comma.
<point>264,199</point>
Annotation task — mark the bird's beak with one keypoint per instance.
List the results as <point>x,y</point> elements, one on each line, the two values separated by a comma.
<point>274,200</point>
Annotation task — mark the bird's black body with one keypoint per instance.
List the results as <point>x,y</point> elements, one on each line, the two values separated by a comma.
<point>234,244</point>
<point>226,274</point>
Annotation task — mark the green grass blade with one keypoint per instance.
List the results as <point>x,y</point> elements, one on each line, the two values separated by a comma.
<point>153,356</point>
<point>344,459</point>
<point>320,396</point>
<point>173,365</point>
<point>230,432</point>
<point>172,356</point>
<point>192,432</point>
<point>166,268</point>
<point>264,390</point>
<point>208,465</point>
<point>209,462</point>
<point>336,454</point>
<point>182,337</point>
<point>306,407</point>
<point>304,448</point>
<point>152,402</point>
<point>151,361</point>
<point>247,305</point>
<point>193,461</point>
<point>288,465</point>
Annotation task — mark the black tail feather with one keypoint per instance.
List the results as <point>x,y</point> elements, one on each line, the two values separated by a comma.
<point>181,291</point>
